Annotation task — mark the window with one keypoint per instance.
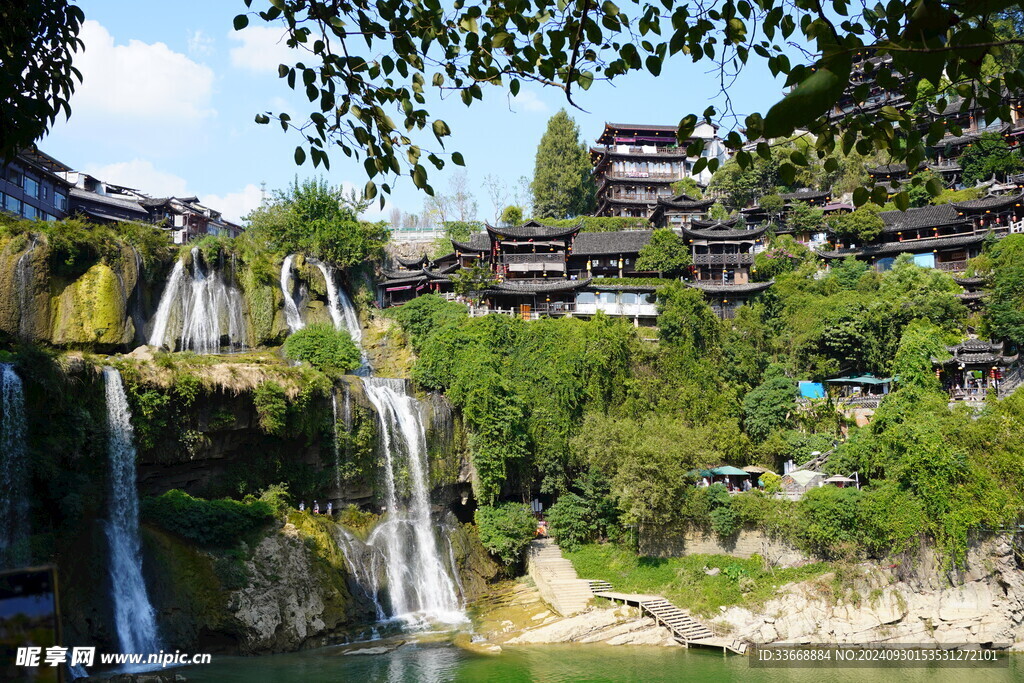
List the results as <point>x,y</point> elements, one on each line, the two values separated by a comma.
<point>586,298</point>
<point>31,187</point>
<point>14,176</point>
<point>11,204</point>
<point>60,200</point>
<point>607,297</point>
<point>31,212</point>
<point>630,298</point>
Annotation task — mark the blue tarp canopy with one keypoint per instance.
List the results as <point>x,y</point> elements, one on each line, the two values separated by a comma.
<point>863,379</point>
<point>812,390</point>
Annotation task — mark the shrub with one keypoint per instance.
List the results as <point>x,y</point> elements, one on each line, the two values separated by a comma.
<point>724,520</point>
<point>506,530</point>
<point>323,347</point>
<point>271,408</point>
<point>214,523</point>
<point>771,481</point>
<point>571,521</point>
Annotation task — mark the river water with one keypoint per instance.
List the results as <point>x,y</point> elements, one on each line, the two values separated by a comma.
<point>426,663</point>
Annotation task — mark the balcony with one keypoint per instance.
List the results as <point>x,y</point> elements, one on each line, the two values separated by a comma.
<point>636,197</point>
<point>644,175</point>
<point>723,259</point>
<point>952,266</point>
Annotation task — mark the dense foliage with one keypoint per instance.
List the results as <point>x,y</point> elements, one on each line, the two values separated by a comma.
<point>325,348</point>
<point>563,185</point>
<point>506,529</point>
<point>666,253</point>
<point>989,157</point>
<point>616,427</point>
<point>213,523</point>
<point>318,220</point>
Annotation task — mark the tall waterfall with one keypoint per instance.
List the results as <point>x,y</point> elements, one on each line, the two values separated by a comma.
<point>134,617</point>
<point>291,311</point>
<point>198,311</point>
<point>343,313</point>
<point>418,583</point>
<point>13,471</point>
<point>23,282</point>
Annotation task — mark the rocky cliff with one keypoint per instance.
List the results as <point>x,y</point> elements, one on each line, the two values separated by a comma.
<point>914,602</point>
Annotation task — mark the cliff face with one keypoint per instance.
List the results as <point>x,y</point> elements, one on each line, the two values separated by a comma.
<point>910,604</point>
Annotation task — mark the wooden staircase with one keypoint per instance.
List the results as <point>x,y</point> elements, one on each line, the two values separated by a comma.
<point>684,628</point>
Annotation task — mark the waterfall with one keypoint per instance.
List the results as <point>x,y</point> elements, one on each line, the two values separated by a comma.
<point>134,617</point>
<point>334,442</point>
<point>363,563</point>
<point>418,583</point>
<point>343,313</point>
<point>291,311</point>
<point>13,471</point>
<point>197,314</point>
<point>23,281</point>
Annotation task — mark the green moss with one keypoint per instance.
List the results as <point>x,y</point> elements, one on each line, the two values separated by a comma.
<point>92,310</point>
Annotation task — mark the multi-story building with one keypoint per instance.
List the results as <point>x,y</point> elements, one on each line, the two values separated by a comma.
<point>32,186</point>
<point>942,237</point>
<point>635,165</point>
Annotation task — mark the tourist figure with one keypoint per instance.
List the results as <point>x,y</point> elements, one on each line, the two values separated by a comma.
<point>316,508</point>
<point>302,505</point>
<point>330,509</point>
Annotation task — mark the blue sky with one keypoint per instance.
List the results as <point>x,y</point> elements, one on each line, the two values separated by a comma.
<point>171,89</point>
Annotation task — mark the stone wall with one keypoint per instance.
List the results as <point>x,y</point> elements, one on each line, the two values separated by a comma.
<point>743,544</point>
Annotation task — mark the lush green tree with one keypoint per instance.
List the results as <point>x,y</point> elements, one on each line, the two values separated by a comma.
<point>988,157</point>
<point>685,320</point>
<point>571,521</point>
<point>39,42</point>
<point>921,342</point>
<point>323,347</point>
<point>848,272</point>
<point>689,187</point>
<point>512,215</point>
<point>460,231</point>
<point>773,205</point>
<point>1004,308</point>
<point>783,255</point>
<point>473,280</point>
<point>802,217</point>
<point>666,253</point>
<point>859,226</point>
<point>319,220</point>
<point>506,530</point>
<point>768,406</point>
<point>562,182</point>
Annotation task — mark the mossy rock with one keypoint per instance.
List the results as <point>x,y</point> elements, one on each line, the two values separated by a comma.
<point>24,279</point>
<point>93,309</point>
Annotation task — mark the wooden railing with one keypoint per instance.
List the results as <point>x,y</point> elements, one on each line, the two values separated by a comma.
<point>722,259</point>
<point>952,266</point>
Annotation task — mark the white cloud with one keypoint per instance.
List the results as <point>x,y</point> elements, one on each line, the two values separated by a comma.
<point>262,49</point>
<point>234,205</point>
<point>199,43</point>
<point>141,175</point>
<point>528,100</point>
<point>138,80</point>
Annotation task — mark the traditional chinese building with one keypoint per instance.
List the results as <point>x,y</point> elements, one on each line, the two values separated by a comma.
<point>677,212</point>
<point>723,260</point>
<point>943,236</point>
<point>976,367</point>
<point>635,165</point>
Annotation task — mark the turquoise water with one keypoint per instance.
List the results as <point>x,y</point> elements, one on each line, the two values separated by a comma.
<point>555,663</point>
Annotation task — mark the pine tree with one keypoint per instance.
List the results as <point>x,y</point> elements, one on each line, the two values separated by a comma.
<point>562,183</point>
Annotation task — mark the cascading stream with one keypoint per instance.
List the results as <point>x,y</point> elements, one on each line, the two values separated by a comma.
<point>23,282</point>
<point>198,311</point>
<point>134,617</point>
<point>291,310</point>
<point>418,583</point>
<point>14,522</point>
<point>343,313</point>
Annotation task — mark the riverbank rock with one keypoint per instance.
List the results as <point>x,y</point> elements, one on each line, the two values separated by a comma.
<point>985,607</point>
<point>614,626</point>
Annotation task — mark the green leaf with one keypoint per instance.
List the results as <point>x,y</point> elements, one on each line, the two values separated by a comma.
<point>300,156</point>
<point>811,98</point>
<point>457,159</point>
<point>441,129</point>
<point>240,22</point>
<point>861,196</point>
<point>901,200</point>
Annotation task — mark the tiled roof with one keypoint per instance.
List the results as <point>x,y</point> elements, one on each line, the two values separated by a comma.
<point>748,288</point>
<point>412,262</point>
<point>909,247</point>
<point>478,241</point>
<point>618,242</point>
<point>805,195</point>
<point>990,202</point>
<point>923,217</point>
<point>684,202</point>
<point>533,230</point>
<point>721,231</point>
<point>553,285</point>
